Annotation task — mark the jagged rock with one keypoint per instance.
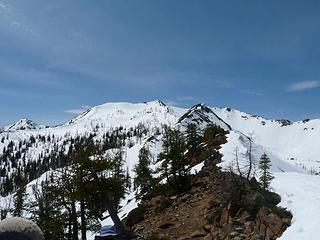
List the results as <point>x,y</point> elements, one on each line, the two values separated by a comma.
<point>249,226</point>
<point>233,234</point>
<point>162,204</point>
<point>208,237</point>
<point>185,197</point>
<point>284,122</point>
<point>270,224</point>
<point>233,208</point>
<point>274,223</point>
<point>238,229</point>
<point>224,217</point>
<point>263,212</point>
<point>252,202</point>
<point>173,197</point>
<point>165,225</point>
<point>245,216</point>
<point>198,234</point>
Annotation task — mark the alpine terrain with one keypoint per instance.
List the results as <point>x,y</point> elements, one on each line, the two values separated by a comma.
<point>37,164</point>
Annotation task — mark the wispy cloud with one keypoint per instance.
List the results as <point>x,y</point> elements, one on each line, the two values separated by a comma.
<point>302,86</point>
<point>5,7</point>
<point>77,111</point>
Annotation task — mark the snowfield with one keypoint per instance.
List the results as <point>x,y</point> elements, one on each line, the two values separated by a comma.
<point>293,148</point>
<point>300,193</point>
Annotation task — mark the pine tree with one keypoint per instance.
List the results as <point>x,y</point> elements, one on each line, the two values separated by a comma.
<point>174,163</point>
<point>179,161</point>
<point>100,184</point>
<point>266,176</point>
<point>19,199</point>
<point>212,140</point>
<point>193,139</point>
<point>47,213</point>
<point>165,155</point>
<point>143,173</point>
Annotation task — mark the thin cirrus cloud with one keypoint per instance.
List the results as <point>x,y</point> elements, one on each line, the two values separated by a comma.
<point>302,86</point>
<point>79,110</point>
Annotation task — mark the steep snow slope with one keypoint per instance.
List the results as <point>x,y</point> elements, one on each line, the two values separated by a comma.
<point>239,141</point>
<point>295,142</point>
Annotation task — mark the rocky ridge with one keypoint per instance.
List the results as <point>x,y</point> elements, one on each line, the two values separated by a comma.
<point>215,208</point>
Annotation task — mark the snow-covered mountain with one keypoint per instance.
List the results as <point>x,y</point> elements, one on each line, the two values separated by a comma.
<point>202,115</point>
<point>292,146</point>
<point>294,142</point>
<point>23,124</point>
<point>98,120</point>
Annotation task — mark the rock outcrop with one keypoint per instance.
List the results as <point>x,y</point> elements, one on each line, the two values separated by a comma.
<point>215,208</point>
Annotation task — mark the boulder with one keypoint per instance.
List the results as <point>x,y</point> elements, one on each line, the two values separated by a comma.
<point>274,223</point>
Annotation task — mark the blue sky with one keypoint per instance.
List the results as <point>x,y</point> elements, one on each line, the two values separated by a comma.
<point>60,56</point>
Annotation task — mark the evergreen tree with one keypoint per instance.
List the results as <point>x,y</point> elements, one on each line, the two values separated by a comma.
<point>47,213</point>
<point>143,172</point>
<point>193,139</point>
<point>165,155</point>
<point>19,199</point>
<point>174,163</point>
<point>212,141</point>
<point>128,181</point>
<point>118,162</point>
<point>179,161</point>
<point>100,184</point>
<point>266,176</point>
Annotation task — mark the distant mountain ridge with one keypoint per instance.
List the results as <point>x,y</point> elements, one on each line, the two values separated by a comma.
<point>293,142</point>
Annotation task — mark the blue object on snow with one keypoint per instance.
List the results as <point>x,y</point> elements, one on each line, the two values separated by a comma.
<point>108,230</point>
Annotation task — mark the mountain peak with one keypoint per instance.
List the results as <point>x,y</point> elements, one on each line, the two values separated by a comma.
<point>22,124</point>
<point>201,107</point>
<point>158,102</point>
<point>202,114</point>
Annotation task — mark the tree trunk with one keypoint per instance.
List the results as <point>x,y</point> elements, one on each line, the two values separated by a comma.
<point>83,221</point>
<point>69,235</point>
<point>250,160</point>
<point>75,233</point>
<point>116,220</point>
